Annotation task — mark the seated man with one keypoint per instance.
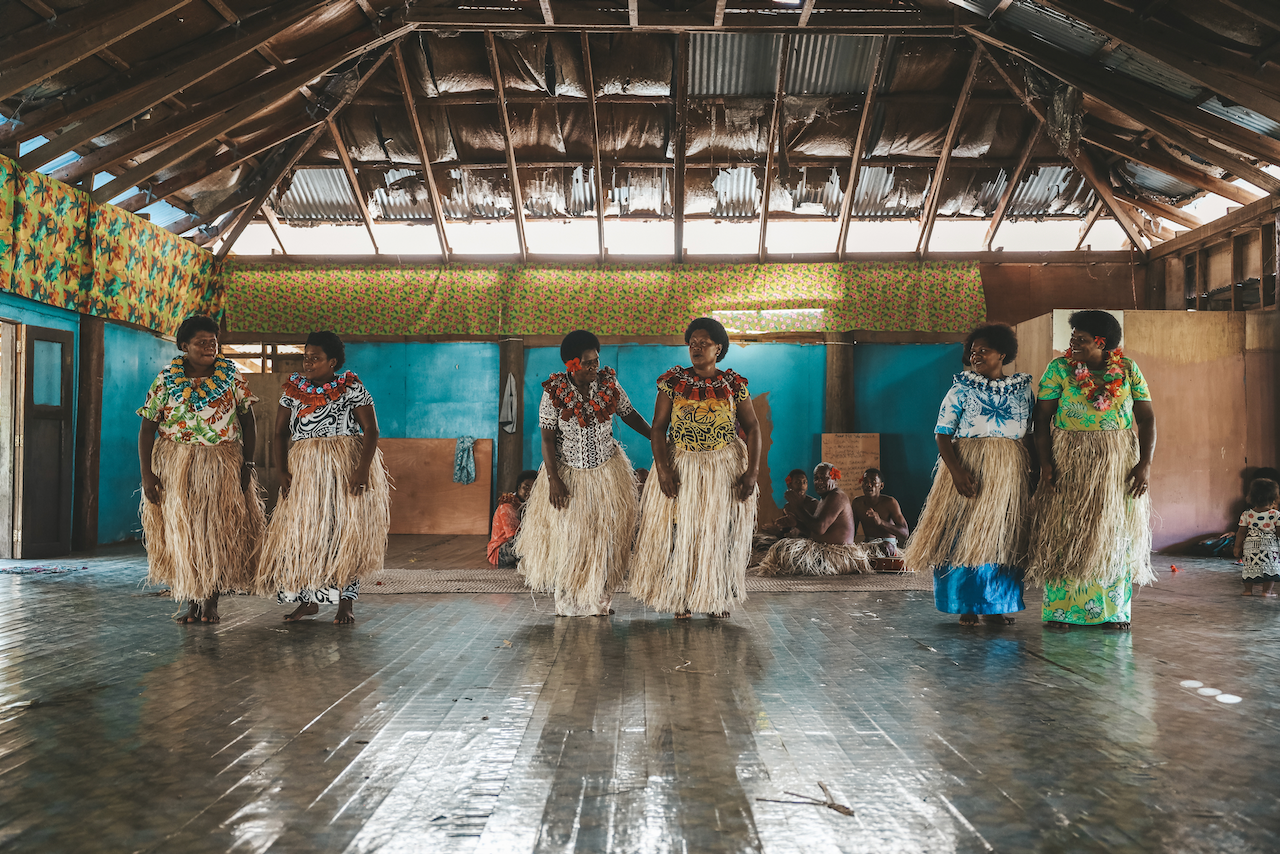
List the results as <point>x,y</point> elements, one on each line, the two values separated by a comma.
<point>827,547</point>
<point>883,525</point>
<point>506,521</point>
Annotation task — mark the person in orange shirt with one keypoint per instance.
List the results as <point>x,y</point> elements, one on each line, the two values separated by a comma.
<point>506,520</point>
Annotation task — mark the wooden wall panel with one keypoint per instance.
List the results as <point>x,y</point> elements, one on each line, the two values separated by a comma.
<point>1035,346</point>
<point>1018,292</point>
<point>1262,387</point>
<point>425,499</point>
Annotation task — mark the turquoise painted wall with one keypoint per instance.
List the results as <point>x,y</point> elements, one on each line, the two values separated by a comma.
<point>131,360</point>
<point>430,391</point>
<point>787,383</point>
<point>897,389</point>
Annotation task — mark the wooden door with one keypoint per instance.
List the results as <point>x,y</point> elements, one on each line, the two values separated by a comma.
<point>43,524</point>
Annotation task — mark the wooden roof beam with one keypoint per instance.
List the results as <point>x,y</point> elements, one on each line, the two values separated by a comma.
<point>934,197</point>
<point>718,21</point>
<point>1087,225</point>
<point>1265,12</point>
<point>775,134</point>
<point>273,223</point>
<point>102,27</point>
<point>576,17</point>
<point>1015,179</point>
<point>420,143</point>
<point>595,142</point>
<point>353,181</point>
<point>682,118</point>
<point>1171,166</point>
<point>548,16</point>
<point>860,145</point>
<point>1163,211</point>
<point>517,197</point>
<point>633,13</point>
<point>1080,160</point>
<point>806,12</point>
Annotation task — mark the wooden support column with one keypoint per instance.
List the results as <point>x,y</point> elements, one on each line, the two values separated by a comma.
<point>682,117</point>
<point>517,197</point>
<point>775,135</point>
<point>930,212</point>
<point>595,141</point>
<point>838,417</point>
<point>510,444</point>
<point>860,145</point>
<point>84,516</point>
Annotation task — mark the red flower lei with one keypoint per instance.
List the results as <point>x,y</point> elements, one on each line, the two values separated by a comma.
<point>313,397</point>
<point>1113,374</point>
<point>685,383</point>
<point>571,405</point>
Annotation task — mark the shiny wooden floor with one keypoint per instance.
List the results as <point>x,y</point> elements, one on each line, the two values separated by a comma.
<point>480,723</point>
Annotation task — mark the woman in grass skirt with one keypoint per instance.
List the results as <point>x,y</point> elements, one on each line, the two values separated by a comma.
<point>580,519</point>
<point>695,530</point>
<point>973,529</point>
<point>329,529</point>
<point>202,511</point>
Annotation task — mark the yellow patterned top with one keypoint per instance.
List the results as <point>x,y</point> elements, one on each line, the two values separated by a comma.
<point>703,412</point>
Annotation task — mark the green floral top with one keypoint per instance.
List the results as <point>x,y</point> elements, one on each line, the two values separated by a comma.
<point>1077,413</point>
<point>201,410</point>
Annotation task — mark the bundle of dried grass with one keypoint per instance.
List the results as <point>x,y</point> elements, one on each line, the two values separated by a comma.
<point>806,557</point>
<point>321,535</point>
<point>692,551</point>
<point>203,536</point>
<point>1087,529</point>
<point>580,553</point>
<point>990,528</point>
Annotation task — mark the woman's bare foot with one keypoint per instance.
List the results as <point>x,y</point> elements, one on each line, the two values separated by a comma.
<point>192,615</point>
<point>209,613</point>
<point>1057,624</point>
<point>722,615</point>
<point>968,619</point>
<point>1119,627</point>
<point>1270,595</point>
<point>345,614</point>
<point>997,620</point>
<point>1248,591</point>
<point>306,609</point>
<point>683,615</point>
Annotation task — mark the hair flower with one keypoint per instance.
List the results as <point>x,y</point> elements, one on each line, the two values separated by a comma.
<point>835,473</point>
<point>573,365</point>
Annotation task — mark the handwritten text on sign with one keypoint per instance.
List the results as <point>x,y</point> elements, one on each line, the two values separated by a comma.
<point>852,453</point>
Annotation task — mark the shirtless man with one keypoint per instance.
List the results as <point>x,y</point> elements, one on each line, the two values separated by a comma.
<point>827,547</point>
<point>879,515</point>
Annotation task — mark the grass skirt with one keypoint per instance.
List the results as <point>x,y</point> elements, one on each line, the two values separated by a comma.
<point>692,551</point>
<point>203,536</point>
<point>1087,530</point>
<point>321,535</point>
<point>807,557</point>
<point>988,529</point>
<point>580,553</point>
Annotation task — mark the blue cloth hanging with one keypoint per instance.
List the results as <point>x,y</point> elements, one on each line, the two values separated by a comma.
<point>464,461</point>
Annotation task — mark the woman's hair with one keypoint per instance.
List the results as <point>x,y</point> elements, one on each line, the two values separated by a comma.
<point>1263,492</point>
<point>715,329</point>
<point>576,343</point>
<point>193,324</point>
<point>999,336</point>
<point>527,474</point>
<point>1099,324</point>
<point>332,346</point>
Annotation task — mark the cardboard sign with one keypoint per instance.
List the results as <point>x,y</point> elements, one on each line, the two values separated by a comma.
<point>852,453</point>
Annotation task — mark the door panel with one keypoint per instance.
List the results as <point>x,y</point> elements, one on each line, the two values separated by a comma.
<point>44,521</point>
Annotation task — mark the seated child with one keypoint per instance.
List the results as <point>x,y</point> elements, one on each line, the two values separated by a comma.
<point>506,521</point>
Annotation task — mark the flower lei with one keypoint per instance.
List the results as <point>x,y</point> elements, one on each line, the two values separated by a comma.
<point>198,392</point>
<point>1113,374</point>
<point>685,383</point>
<point>569,402</point>
<point>316,395</point>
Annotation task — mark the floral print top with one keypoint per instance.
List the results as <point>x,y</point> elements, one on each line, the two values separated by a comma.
<point>326,410</point>
<point>200,410</point>
<point>703,412</point>
<point>977,407</point>
<point>1258,522</point>
<point>1077,413</point>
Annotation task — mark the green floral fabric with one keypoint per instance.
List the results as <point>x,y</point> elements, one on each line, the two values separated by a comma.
<point>1076,412</point>
<point>1088,604</point>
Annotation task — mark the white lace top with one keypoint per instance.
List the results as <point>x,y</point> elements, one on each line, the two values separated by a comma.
<point>581,447</point>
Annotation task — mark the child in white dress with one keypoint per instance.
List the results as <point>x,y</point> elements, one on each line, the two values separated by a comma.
<point>1256,538</point>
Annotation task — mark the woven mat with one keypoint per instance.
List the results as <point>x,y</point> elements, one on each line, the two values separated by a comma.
<point>392,581</point>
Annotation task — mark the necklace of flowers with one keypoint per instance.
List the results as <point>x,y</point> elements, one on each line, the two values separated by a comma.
<point>317,394</point>
<point>690,386</point>
<point>198,392</point>
<point>571,404</point>
<point>1112,380</point>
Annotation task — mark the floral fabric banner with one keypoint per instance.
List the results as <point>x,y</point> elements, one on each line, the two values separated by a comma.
<point>656,300</point>
<point>58,248</point>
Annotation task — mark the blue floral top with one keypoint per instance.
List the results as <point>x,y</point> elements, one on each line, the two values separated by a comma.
<point>976,407</point>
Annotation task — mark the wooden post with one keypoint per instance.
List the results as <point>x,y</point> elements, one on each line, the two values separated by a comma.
<point>838,417</point>
<point>84,518</point>
<point>510,445</point>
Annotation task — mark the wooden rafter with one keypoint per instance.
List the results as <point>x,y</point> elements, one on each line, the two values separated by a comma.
<point>1229,75</point>
<point>1000,9</point>
<point>420,144</point>
<point>806,12</point>
<point>92,35</point>
<point>548,16</point>
<point>151,92</point>
<point>1170,165</point>
<point>1265,12</point>
<point>590,82</point>
<point>1050,61</point>
<point>273,223</point>
<point>860,145</point>
<point>578,16</point>
<point>1087,225</point>
<point>934,198</point>
<point>775,134</point>
<point>353,181</point>
<point>633,13</point>
<point>517,197</point>
<point>682,117</point>
<point>718,21</point>
<point>1015,179</point>
<point>1080,160</point>
<point>1163,211</point>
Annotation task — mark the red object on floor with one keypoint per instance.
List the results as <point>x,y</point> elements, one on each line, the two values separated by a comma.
<point>1171,566</point>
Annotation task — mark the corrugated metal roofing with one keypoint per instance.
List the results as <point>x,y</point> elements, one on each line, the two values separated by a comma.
<point>1155,181</point>
<point>831,65</point>
<point>733,63</point>
<point>399,205</point>
<point>738,193</point>
<point>1050,191</point>
<point>318,195</point>
<point>880,196</point>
